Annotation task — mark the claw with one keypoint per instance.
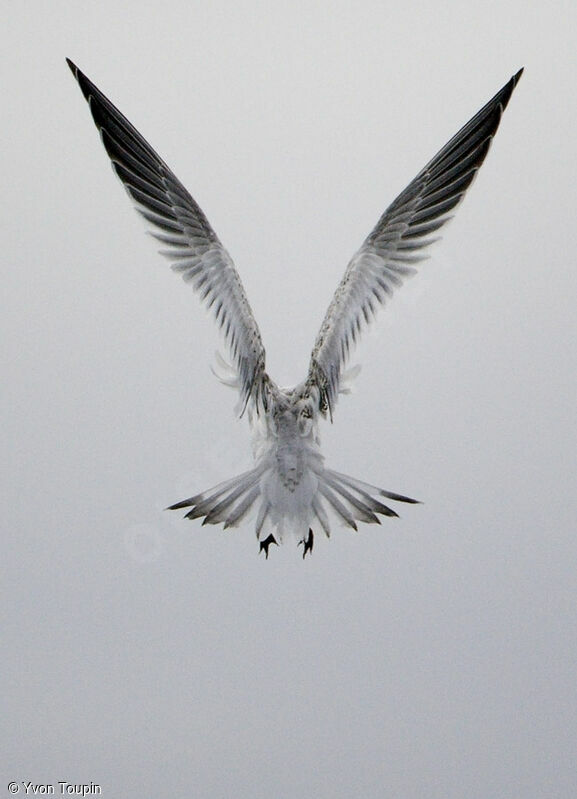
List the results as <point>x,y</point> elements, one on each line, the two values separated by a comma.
<point>308,543</point>
<point>266,544</point>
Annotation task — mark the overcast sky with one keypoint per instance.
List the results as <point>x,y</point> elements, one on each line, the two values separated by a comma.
<point>434,656</point>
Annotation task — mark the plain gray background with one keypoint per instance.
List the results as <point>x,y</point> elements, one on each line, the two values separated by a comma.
<point>431,657</point>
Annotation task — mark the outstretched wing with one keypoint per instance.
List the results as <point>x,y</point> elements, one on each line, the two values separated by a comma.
<point>190,242</point>
<point>389,254</point>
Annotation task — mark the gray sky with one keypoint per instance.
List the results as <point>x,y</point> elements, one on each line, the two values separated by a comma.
<point>433,656</point>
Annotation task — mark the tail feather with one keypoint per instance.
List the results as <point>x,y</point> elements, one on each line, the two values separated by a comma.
<point>222,511</point>
<point>243,508</point>
<point>364,497</point>
<point>353,500</point>
<point>215,492</point>
<point>262,517</point>
<point>227,503</point>
<point>321,515</point>
<point>352,482</point>
<point>342,511</point>
<point>364,506</point>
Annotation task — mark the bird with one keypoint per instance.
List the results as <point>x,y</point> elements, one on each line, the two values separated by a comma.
<point>289,491</point>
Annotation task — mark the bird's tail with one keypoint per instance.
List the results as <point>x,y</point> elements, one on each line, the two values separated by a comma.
<point>335,495</point>
<point>227,503</point>
<point>352,500</point>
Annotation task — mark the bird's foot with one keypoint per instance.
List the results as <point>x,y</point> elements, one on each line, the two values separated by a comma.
<point>307,543</point>
<point>266,544</point>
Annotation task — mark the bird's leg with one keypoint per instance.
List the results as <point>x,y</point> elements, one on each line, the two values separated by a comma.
<point>308,543</point>
<point>266,544</point>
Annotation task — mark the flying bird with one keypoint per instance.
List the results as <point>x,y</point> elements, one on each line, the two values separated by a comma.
<point>290,490</point>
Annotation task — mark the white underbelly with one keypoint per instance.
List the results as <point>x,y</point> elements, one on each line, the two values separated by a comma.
<point>290,485</point>
<point>290,508</point>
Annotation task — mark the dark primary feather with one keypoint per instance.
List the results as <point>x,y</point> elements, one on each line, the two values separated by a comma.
<point>191,243</point>
<point>395,244</point>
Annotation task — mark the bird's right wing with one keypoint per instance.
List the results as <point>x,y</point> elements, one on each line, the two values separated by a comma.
<point>397,243</point>
<point>190,242</point>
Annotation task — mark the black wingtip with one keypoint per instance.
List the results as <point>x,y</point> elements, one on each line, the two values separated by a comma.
<point>508,89</point>
<point>86,86</point>
<point>511,86</point>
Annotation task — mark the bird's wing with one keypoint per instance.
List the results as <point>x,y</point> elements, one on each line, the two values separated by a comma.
<point>397,243</point>
<point>188,239</point>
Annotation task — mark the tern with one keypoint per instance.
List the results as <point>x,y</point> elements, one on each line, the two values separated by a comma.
<point>289,490</point>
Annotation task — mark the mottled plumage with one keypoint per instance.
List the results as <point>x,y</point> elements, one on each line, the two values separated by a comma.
<point>289,489</point>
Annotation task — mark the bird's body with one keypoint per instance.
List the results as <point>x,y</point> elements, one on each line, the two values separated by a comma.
<point>290,491</point>
<point>286,443</point>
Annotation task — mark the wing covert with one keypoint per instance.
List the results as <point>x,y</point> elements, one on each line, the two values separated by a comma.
<point>396,244</point>
<point>189,241</point>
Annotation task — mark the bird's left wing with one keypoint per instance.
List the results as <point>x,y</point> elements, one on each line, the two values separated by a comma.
<point>190,242</point>
<point>396,243</point>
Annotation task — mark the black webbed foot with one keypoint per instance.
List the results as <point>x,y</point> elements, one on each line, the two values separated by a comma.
<point>266,544</point>
<point>308,543</point>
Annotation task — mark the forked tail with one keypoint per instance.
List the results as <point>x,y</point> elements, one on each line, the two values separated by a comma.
<point>345,498</point>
